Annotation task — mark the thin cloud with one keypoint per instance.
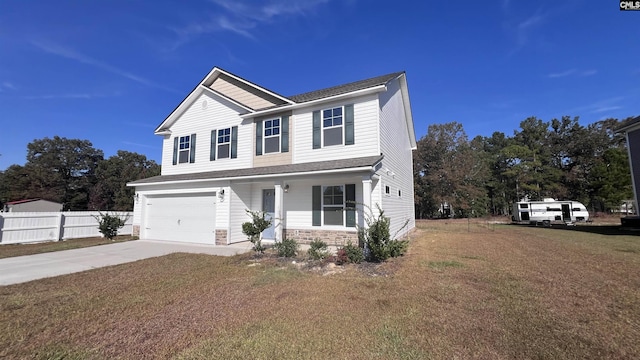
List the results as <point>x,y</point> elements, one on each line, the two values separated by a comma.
<point>573,72</point>
<point>7,86</point>
<point>244,17</point>
<point>524,30</point>
<point>140,145</point>
<point>562,74</point>
<point>589,72</point>
<point>606,108</point>
<point>71,54</point>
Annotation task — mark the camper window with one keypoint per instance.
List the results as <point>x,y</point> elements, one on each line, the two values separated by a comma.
<point>524,206</point>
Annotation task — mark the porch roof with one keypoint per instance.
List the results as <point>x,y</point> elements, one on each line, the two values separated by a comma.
<point>264,171</point>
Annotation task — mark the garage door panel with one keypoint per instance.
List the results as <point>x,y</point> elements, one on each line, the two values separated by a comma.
<point>186,218</point>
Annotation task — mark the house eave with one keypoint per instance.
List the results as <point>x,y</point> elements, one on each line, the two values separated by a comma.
<point>370,168</point>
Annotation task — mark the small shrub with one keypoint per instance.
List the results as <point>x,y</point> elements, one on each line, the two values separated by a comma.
<point>377,238</point>
<point>398,247</point>
<point>354,253</point>
<point>286,247</point>
<point>341,257</point>
<point>254,229</point>
<point>108,225</point>
<point>318,250</point>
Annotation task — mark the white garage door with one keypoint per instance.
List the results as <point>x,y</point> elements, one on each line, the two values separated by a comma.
<point>185,218</point>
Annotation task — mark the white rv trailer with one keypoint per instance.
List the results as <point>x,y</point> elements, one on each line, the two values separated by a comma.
<point>549,210</point>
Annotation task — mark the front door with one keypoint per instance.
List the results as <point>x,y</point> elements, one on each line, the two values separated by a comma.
<point>269,207</point>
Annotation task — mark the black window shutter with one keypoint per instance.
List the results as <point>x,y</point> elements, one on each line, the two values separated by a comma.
<point>284,134</point>
<point>175,150</point>
<point>348,125</point>
<point>234,142</point>
<point>316,205</point>
<point>350,197</point>
<point>214,138</point>
<point>192,150</point>
<point>316,129</point>
<point>258,138</point>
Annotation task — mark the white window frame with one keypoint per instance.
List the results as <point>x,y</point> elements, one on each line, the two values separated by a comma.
<point>184,146</point>
<point>277,128</point>
<point>342,206</point>
<point>332,126</point>
<point>222,143</point>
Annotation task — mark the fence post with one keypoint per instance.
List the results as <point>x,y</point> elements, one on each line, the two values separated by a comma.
<point>1,227</point>
<point>60,226</point>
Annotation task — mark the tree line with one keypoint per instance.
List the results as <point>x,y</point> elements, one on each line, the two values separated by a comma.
<point>74,173</point>
<point>558,159</point>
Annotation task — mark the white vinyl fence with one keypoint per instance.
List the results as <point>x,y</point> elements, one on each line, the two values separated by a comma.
<point>26,227</point>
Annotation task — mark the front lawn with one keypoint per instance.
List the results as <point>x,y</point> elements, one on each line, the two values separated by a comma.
<point>11,250</point>
<point>462,291</point>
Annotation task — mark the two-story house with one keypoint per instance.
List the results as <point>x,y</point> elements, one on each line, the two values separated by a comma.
<point>232,146</point>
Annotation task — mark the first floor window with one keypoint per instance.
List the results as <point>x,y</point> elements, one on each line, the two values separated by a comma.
<point>224,143</point>
<point>184,148</point>
<point>333,205</point>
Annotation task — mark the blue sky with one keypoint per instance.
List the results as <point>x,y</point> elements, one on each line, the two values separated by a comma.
<point>111,71</point>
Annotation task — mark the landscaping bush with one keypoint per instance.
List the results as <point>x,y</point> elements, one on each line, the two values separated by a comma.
<point>108,225</point>
<point>318,250</point>
<point>354,253</point>
<point>377,239</point>
<point>254,229</point>
<point>341,257</point>
<point>286,247</point>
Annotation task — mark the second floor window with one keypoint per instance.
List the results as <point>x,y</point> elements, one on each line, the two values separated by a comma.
<point>224,143</point>
<point>272,136</point>
<point>184,149</point>
<point>332,126</point>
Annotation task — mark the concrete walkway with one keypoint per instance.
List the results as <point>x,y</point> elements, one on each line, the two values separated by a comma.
<point>21,269</point>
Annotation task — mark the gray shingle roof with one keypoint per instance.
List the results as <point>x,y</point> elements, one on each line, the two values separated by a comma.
<point>346,88</point>
<point>266,170</point>
<point>627,124</point>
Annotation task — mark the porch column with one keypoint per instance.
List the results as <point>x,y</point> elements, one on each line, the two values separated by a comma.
<point>366,200</point>
<point>278,213</point>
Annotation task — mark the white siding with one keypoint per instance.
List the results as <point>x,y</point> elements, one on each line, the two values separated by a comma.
<point>240,202</point>
<point>297,202</point>
<point>365,111</point>
<point>200,120</point>
<point>397,169</point>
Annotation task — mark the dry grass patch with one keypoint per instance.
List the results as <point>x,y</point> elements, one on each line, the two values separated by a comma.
<point>11,250</point>
<point>463,290</point>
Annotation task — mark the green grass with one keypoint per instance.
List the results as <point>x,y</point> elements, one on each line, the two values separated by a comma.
<point>509,293</point>
<point>11,250</point>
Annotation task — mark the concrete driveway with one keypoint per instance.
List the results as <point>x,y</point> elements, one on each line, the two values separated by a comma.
<point>21,269</point>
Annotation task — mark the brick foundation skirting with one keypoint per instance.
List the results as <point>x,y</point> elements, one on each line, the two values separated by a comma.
<point>331,237</point>
<point>221,237</point>
<point>136,230</point>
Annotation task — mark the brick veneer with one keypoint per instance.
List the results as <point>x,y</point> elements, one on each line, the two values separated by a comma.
<point>221,237</point>
<point>136,230</point>
<point>331,237</point>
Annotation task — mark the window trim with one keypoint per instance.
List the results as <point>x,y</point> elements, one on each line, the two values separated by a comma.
<point>265,136</point>
<point>323,128</point>
<point>219,143</point>
<point>342,207</point>
<point>186,141</point>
